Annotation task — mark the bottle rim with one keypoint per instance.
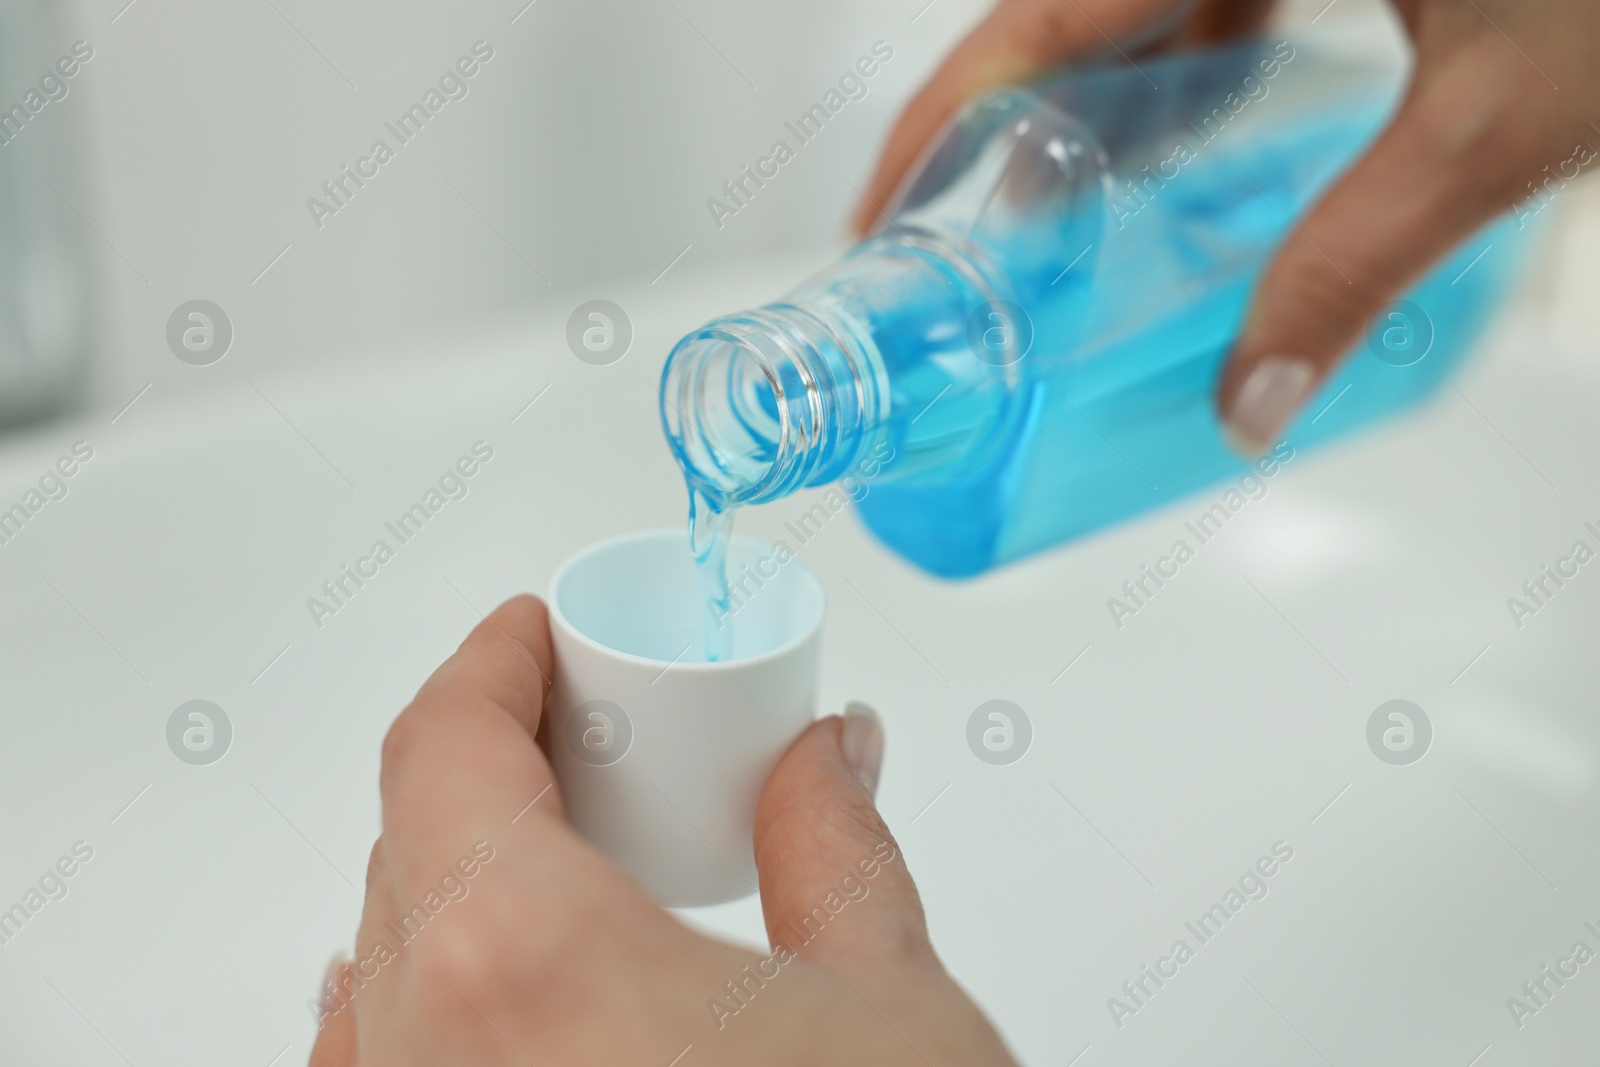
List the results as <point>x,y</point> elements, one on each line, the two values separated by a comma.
<point>709,464</point>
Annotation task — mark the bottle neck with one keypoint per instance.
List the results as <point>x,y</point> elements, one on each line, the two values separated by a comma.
<point>760,404</point>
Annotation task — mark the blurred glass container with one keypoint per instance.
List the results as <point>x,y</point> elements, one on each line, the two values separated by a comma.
<point>44,265</point>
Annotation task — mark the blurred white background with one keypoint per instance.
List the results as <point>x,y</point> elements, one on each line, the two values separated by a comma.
<point>417,320</point>
<point>585,152</point>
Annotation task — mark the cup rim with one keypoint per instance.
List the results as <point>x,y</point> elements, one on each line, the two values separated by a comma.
<point>559,617</point>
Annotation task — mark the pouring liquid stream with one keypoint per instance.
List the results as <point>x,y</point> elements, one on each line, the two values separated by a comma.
<point>709,529</point>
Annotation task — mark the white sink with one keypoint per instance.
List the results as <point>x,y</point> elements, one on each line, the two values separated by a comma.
<point>1228,715</point>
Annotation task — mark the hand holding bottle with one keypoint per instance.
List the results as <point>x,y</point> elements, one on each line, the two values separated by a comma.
<point>1504,94</point>
<point>493,934</point>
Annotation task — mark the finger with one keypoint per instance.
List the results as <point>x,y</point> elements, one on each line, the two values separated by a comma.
<point>834,888</point>
<point>345,981</point>
<point>1221,20</point>
<point>378,911</point>
<point>1452,159</point>
<point>336,1038</point>
<point>1018,39</point>
<point>379,905</point>
<point>460,766</point>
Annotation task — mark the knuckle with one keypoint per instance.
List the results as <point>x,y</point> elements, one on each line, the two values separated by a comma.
<point>399,741</point>
<point>493,958</point>
<point>1026,33</point>
<point>468,961</point>
<point>803,821</point>
<point>1326,308</point>
<point>851,820</point>
<point>1046,32</point>
<point>375,862</point>
<point>1474,129</point>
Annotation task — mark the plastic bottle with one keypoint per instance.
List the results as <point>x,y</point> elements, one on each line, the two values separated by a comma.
<point>1027,347</point>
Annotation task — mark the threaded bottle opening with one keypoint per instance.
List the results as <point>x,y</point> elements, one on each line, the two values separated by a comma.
<point>760,404</point>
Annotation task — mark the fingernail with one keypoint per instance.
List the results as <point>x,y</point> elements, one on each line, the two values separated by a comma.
<point>861,743</point>
<point>1264,404</point>
<point>335,971</point>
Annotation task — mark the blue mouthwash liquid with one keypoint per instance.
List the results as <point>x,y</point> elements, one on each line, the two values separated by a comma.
<point>1035,335</point>
<point>709,530</point>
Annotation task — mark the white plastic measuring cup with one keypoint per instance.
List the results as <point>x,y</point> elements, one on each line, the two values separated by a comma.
<point>660,755</point>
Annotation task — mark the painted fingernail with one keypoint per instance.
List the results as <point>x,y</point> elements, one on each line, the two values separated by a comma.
<point>861,743</point>
<point>1264,404</point>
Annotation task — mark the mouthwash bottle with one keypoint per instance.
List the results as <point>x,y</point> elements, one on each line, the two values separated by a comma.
<point>1026,348</point>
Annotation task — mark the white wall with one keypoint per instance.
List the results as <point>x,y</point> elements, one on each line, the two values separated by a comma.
<point>591,142</point>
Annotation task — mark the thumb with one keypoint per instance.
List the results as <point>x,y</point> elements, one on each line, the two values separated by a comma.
<point>834,888</point>
<point>1436,174</point>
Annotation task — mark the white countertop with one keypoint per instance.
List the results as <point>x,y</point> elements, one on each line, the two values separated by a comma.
<point>1228,715</point>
